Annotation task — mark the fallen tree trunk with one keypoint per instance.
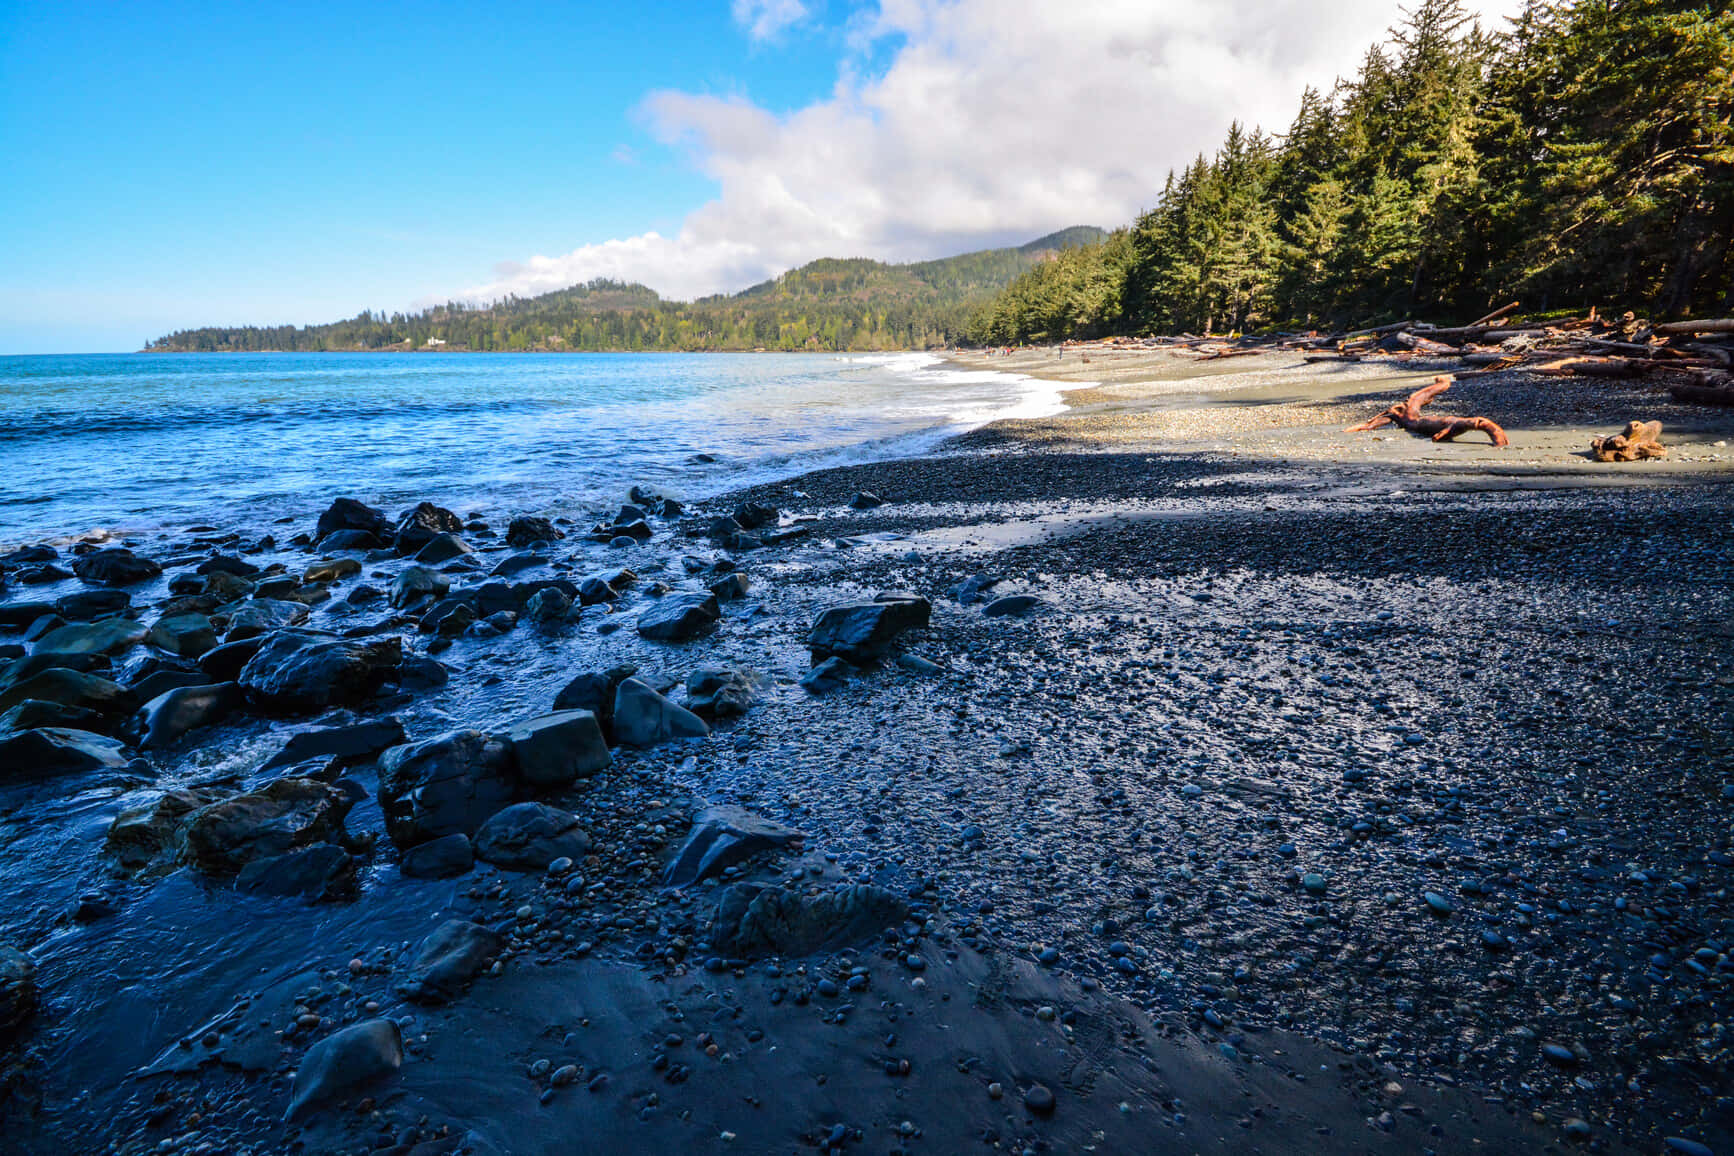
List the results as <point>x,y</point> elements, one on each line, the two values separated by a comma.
<point>1686,328</point>
<point>1440,429</point>
<point>1494,316</point>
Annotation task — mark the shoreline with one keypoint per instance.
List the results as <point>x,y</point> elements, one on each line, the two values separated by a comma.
<point>1187,766</point>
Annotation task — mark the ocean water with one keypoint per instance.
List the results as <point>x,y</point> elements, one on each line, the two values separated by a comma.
<point>134,441</point>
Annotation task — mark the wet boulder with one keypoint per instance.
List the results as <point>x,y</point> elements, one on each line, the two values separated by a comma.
<point>32,714</point>
<point>442,548</point>
<point>227,564</point>
<point>18,615</point>
<point>751,920</point>
<point>720,691</point>
<point>46,752</point>
<point>72,688</point>
<point>421,525</point>
<point>521,532</point>
<point>345,1062</point>
<point>349,514</point>
<point>679,617</point>
<point>448,960</point>
<point>595,693</point>
<point>731,587</point>
<point>358,743</point>
<point>529,836</point>
<point>1012,606</point>
<point>643,718</point>
<point>185,635</point>
<point>439,858</point>
<point>220,586</point>
<point>302,673</point>
<point>351,540</point>
<point>109,636</point>
<point>417,584</point>
<point>419,672</point>
<point>116,566</point>
<point>449,617</point>
<point>596,591</point>
<point>547,606</point>
<point>258,616</point>
<point>279,817</point>
<point>17,989</point>
<point>451,784</point>
<point>753,516</point>
<point>28,666</point>
<point>866,500</point>
<point>161,681</point>
<point>331,570</point>
<point>164,719</point>
<point>859,632</point>
<point>224,663</point>
<point>141,836</point>
<point>723,836</point>
<point>89,605</point>
<point>322,871</point>
<point>556,750</point>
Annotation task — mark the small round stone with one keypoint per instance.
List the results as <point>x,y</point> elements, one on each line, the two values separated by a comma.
<point>1039,1100</point>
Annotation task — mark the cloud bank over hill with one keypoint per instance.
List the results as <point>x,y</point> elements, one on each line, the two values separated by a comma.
<point>985,122</point>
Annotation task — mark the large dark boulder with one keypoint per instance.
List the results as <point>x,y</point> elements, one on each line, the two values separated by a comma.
<point>595,693</point>
<point>110,636</point>
<point>643,718</point>
<point>442,548</point>
<point>50,751</point>
<point>279,817</point>
<point>859,632</point>
<point>723,836</point>
<point>439,858</point>
<point>72,688</point>
<point>421,525</point>
<point>28,666</point>
<point>529,836</point>
<point>184,635</point>
<point>523,531</point>
<point>358,743</point>
<point>299,673</point>
<point>258,616</point>
<point>349,514</point>
<point>556,750</point>
<point>223,663</point>
<point>116,566</point>
<point>721,691</point>
<point>678,617</point>
<point>322,871</point>
<point>164,719</point>
<point>417,584</point>
<point>453,783</point>
<point>449,959</point>
<point>88,605</point>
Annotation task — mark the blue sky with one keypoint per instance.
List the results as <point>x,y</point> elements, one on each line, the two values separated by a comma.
<point>174,165</point>
<point>182,163</point>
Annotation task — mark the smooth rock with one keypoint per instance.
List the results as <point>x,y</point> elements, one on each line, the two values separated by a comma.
<point>358,743</point>
<point>529,836</point>
<point>419,526</point>
<point>277,818</point>
<point>88,605</point>
<point>322,871</point>
<point>556,750</point>
<point>448,960</point>
<point>723,836</point>
<point>1011,605</point>
<point>827,676</point>
<point>440,858</point>
<point>442,548</point>
<point>345,1062</point>
<point>49,751</point>
<point>349,514</point>
<point>643,718</point>
<point>185,635</point>
<point>109,636</point>
<point>258,616</point>
<point>72,688</point>
<point>116,566</point>
<point>859,632</point>
<point>164,719</point>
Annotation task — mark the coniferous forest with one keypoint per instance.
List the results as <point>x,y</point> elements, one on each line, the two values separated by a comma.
<point>1585,156</point>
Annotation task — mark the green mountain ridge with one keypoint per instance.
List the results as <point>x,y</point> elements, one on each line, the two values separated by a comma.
<point>832,304</point>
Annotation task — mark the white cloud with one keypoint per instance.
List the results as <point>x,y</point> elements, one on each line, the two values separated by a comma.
<point>994,121</point>
<point>763,19</point>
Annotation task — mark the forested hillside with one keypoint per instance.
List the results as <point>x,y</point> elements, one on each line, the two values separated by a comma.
<point>1585,157</point>
<point>826,305</point>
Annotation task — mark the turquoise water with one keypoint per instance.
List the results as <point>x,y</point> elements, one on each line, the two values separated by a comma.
<point>134,441</point>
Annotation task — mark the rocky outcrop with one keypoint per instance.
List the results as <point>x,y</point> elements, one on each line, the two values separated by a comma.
<point>449,959</point>
<point>345,1062</point>
<point>451,784</point>
<point>643,718</point>
<point>529,836</point>
<point>143,836</point>
<point>299,673</point>
<point>859,632</point>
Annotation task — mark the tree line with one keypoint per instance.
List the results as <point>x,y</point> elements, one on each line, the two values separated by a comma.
<point>1583,157</point>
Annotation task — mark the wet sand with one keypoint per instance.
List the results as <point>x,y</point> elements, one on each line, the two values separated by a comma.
<point>1324,801</point>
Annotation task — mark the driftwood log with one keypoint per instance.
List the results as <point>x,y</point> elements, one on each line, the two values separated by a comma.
<point>1641,441</point>
<point>1440,429</point>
